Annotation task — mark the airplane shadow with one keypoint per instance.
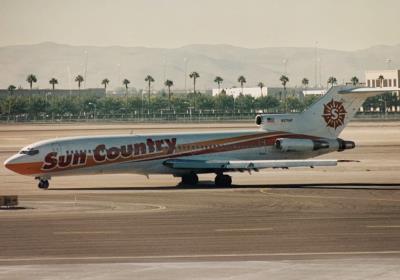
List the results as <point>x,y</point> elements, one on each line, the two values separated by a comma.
<point>209,185</point>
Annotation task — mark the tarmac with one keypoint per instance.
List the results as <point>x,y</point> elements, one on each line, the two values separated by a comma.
<point>325,223</point>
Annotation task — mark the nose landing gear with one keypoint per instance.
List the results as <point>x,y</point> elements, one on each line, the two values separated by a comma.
<point>43,183</point>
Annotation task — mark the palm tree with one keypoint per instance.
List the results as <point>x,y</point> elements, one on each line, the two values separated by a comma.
<point>126,82</point>
<point>11,89</point>
<point>79,80</point>
<point>381,78</point>
<point>149,79</point>
<point>53,83</point>
<point>284,80</point>
<point>218,80</point>
<point>169,84</point>
<point>332,80</point>
<point>354,80</point>
<point>31,79</point>
<point>194,75</point>
<point>241,80</point>
<point>305,82</point>
<point>105,82</point>
<point>261,85</point>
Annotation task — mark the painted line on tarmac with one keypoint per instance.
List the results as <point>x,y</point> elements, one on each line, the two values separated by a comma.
<point>242,229</point>
<point>93,258</point>
<point>84,232</point>
<point>383,226</point>
<point>325,197</point>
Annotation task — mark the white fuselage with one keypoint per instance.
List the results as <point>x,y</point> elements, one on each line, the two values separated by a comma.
<point>145,154</point>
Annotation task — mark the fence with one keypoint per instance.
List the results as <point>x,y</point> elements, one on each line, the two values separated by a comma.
<point>162,117</point>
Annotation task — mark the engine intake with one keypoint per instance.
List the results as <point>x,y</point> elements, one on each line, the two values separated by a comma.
<point>259,120</point>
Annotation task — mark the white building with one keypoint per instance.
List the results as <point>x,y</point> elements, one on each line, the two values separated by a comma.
<point>317,92</point>
<point>272,91</point>
<point>390,78</point>
<point>253,91</point>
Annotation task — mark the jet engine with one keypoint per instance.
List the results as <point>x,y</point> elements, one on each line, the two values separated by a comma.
<point>309,145</point>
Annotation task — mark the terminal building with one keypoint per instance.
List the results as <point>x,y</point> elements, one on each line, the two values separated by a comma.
<point>315,92</point>
<point>276,92</point>
<point>235,92</point>
<point>390,78</point>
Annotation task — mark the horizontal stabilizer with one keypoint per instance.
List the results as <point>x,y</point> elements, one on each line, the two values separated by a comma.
<point>366,90</point>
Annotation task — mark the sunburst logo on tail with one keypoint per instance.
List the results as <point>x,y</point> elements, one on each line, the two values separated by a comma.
<point>334,114</point>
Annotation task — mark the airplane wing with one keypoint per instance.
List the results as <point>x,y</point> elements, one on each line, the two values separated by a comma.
<point>244,165</point>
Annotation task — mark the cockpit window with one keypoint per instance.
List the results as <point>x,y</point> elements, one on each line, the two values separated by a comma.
<point>29,152</point>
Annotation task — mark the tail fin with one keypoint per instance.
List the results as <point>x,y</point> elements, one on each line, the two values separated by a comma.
<point>328,116</point>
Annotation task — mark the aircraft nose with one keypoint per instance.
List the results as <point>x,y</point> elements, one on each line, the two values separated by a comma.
<point>13,163</point>
<point>23,164</point>
<point>9,162</point>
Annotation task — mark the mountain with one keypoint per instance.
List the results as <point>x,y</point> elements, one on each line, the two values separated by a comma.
<point>64,62</point>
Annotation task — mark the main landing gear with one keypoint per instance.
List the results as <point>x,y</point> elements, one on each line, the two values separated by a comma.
<point>221,180</point>
<point>190,179</point>
<point>224,181</point>
<point>43,183</point>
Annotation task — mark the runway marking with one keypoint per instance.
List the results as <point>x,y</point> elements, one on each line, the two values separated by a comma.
<point>85,232</point>
<point>383,226</point>
<point>241,229</point>
<point>157,206</point>
<point>326,197</point>
<point>355,253</point>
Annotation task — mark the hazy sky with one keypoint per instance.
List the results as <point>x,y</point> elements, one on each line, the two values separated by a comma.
<point>335,24</point>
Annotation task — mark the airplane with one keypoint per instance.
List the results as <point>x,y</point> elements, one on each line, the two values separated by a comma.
<point>281,141</point>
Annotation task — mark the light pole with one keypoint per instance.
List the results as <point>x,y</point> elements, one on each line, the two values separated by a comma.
<point>388,61</point>
<point>285,61</point>
<point>316,64</point>
<point>185,60</point>
<point>9,109</point>
<point>86,63</point>
<point>95,107</point>
<point>141,109</point>
<point>46,95</point>
<point>164,68</point>
<point>119,72</point>
<point>234,105</point>
<point>383,99</point>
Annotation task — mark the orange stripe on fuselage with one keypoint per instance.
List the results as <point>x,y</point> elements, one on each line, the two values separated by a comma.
<point>26,168</point>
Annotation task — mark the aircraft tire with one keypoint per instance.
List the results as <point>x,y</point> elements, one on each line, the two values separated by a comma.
<point>224,181</point>
<point>43,184</point>
<point>190,179</point>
